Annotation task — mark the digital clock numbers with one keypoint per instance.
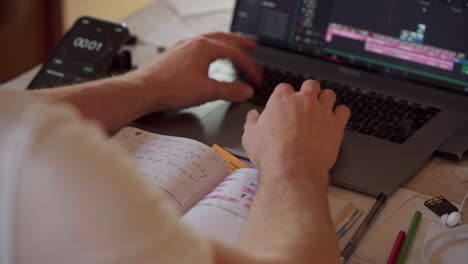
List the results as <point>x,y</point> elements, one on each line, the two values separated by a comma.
<point>87,44</point>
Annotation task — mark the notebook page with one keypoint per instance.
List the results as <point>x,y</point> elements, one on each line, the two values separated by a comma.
<point>221,213</point>
<point>185,170</point>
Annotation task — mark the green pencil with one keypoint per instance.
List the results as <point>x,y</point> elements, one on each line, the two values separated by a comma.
<point>409,238</point>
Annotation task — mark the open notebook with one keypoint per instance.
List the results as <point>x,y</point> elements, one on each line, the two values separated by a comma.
<point>212,190</point>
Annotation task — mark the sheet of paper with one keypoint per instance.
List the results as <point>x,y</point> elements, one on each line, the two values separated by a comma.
<point>186,8</point>
<point>231,161</point>
<point>221,213</point>
<point>186,170</point>
<point>169,33</point>
<point>215,22</point>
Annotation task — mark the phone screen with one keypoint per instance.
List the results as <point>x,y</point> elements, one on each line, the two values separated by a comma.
<point>85,53</point>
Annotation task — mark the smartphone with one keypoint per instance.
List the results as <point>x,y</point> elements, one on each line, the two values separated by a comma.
<point>86,52</point>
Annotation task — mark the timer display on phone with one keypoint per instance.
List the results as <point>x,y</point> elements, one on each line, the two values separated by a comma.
<point>85,53</point>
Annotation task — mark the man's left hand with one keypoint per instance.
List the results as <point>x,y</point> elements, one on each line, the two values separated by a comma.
<point>179,78</point>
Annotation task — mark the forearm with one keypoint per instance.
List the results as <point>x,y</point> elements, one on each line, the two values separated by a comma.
<point>113,102</point>
<point>176,80</point>
<point>290,223</point>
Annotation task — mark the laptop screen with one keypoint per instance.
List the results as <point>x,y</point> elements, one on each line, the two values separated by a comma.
<point>418,40</point>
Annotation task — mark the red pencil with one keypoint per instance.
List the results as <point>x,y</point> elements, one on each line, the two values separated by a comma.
<point>396,248</point>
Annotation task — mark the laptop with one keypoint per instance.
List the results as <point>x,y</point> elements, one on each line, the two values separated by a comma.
<point>401,66</point>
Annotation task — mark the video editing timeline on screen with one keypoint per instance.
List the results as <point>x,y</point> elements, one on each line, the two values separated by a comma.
<point>408,47</point>
<point>414,39</point>
<point>411,38</point>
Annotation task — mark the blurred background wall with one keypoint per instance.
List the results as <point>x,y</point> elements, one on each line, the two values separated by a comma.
<point>30,29</point>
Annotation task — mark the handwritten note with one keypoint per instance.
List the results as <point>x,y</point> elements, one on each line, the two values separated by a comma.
<point>235,195</point>
<point>231,161</point>
<point>186,170</point>
<point>222,212</point>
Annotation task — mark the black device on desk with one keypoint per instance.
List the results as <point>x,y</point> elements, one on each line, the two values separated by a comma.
<point>88,51</point>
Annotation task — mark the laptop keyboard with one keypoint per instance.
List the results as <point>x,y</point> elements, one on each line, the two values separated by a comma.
<point>373,114</point>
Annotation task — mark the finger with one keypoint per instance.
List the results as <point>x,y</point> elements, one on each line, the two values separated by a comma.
<point>232,39</point>
<point>246,65</point>
<point>251,119</point>
<point>234,92</point>
<point>328,99</point>
<point>311,88</point>
<point>282,90</point>
<point>342,114</point>
<point>249,142</point>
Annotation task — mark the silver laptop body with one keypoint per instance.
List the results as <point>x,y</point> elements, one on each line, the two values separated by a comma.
<point>366,163</point>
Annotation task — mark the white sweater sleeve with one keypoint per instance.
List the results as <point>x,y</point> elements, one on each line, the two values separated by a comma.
<point>78,199</point>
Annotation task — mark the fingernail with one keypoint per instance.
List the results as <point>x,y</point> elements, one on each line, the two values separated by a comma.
<point>251,113</point>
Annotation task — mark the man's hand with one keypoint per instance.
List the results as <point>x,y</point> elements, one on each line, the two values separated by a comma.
<point>298,130</point>
<point>179,78</point>
<point>294,143</point>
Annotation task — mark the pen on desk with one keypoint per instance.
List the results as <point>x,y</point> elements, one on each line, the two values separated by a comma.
<point>396,247</point>
<point>350,224</point>
<point>362,230</point>
<point>409,238</point>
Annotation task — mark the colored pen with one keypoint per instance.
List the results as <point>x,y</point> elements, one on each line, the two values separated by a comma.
<point>362,230</point>
<point>409,238</point>
<point>349,224</point>
<point>396,248</point>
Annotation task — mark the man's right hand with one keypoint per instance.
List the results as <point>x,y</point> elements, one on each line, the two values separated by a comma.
<point>294,143</point>
<point>296,130</point>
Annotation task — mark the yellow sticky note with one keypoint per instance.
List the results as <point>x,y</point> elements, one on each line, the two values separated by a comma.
<point>231,161</point>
